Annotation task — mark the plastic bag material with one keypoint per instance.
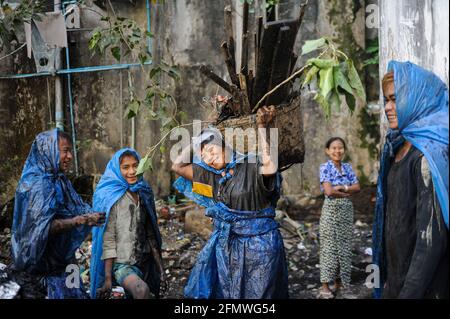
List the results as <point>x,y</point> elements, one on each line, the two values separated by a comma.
<point>44,194</point>
<point>111,187</point>
<point>57,288</point>
<point>422,111</point>
<point>244,257</point>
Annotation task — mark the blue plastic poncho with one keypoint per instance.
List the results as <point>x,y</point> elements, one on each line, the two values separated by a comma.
<point>111,187</point>
<point>244,257</point>
<point>44,194</point>
<point>422,111</point>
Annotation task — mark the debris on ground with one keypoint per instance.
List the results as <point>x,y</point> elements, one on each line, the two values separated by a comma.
<point>183,229</point>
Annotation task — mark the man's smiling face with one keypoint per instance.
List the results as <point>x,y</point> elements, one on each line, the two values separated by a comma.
<point>65,154</point>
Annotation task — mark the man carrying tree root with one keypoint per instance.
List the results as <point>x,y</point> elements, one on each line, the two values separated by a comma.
<point>411,218</point>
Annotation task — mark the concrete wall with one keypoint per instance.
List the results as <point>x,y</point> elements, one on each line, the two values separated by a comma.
<point>187,34</point>
<point>344,20</point>
<point>416,31</point>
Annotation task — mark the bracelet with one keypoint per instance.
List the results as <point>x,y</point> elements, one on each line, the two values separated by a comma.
<point>346,188</point>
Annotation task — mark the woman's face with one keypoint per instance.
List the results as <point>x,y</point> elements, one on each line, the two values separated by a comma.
<point>128,168</point>
<point>390,107</point>
<point>214,156</point>
<point>336,151</point>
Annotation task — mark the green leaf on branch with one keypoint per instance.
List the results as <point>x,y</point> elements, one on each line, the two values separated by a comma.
<point>116,53</point>
<point>326,83</point>
<point>324,104</point>
<point>351,101</point>
<point>144,165</point>
<point>96,36</point>
<point>355,81</point>
<point>340,80</point>
<point>313,45</point>
<point>323,63</point>
<point>334,101</point>
<point>142,58</point>
<point>310,75</point>
<point>132,109</point>
<point>154,71</point>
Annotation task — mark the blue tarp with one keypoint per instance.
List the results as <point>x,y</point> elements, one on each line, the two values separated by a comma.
<point>244,257</point>
<point>422,111</point>
<point>43,194</point>
<point>111,187</point>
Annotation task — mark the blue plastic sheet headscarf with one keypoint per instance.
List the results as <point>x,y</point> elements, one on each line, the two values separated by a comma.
<point>184,185</point>
<point>43,194</point>
<point>111,187</point>
<point>422,111</point>
<point>226,268</point>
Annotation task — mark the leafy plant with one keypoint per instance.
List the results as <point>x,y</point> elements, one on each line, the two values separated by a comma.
<point>333,72</point>
<point>12,19</point>
<point>122,37</point>
<point>335,75</point>
<point>373,51</point>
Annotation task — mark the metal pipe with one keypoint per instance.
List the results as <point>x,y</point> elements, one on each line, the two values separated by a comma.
<point>149,44</point>
<point>121,107</point>
<point>59,111</point>
<point>69,91</point>
<point>76,70</point>
<point>133,122</point>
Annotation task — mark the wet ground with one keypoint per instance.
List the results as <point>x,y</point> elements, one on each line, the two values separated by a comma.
<point>180,250</point>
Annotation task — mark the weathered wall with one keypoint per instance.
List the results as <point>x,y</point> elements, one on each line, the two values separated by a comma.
<point>416,31</point>
<point>344,20</point>
<point>187,34</point>
<point>24,112</point>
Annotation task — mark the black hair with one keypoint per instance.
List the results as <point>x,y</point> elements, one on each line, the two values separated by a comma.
<point>214,139</point>
<point>64,136</point>
<point>333,139</point>
<point>127,153</point>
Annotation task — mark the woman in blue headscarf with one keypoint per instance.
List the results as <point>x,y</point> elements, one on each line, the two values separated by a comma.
<point>244,257</point>
<point>411,216</point>
<point>127,249</point>
<point>50,219</point>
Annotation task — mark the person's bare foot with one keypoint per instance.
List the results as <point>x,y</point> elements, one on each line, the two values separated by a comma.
<point>325,292</point>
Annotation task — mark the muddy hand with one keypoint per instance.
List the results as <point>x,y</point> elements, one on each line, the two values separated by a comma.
<point>105,291</point>
<point>95,219</point>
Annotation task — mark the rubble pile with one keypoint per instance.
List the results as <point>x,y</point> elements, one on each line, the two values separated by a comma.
<point>185,230</point>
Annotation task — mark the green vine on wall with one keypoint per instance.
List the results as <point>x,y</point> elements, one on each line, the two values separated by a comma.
<point>122,37</point>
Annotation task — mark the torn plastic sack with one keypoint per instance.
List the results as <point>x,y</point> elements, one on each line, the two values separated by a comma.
<point>44,194</point>
<point>111,187</point>
<point>244,257</point>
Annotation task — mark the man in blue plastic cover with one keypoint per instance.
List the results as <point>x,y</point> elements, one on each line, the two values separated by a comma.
<point>50,219</point>
<point>411,218</point>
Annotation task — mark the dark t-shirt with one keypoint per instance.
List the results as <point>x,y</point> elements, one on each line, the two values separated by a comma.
<point>247,189</point>
<point>415,232</point>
